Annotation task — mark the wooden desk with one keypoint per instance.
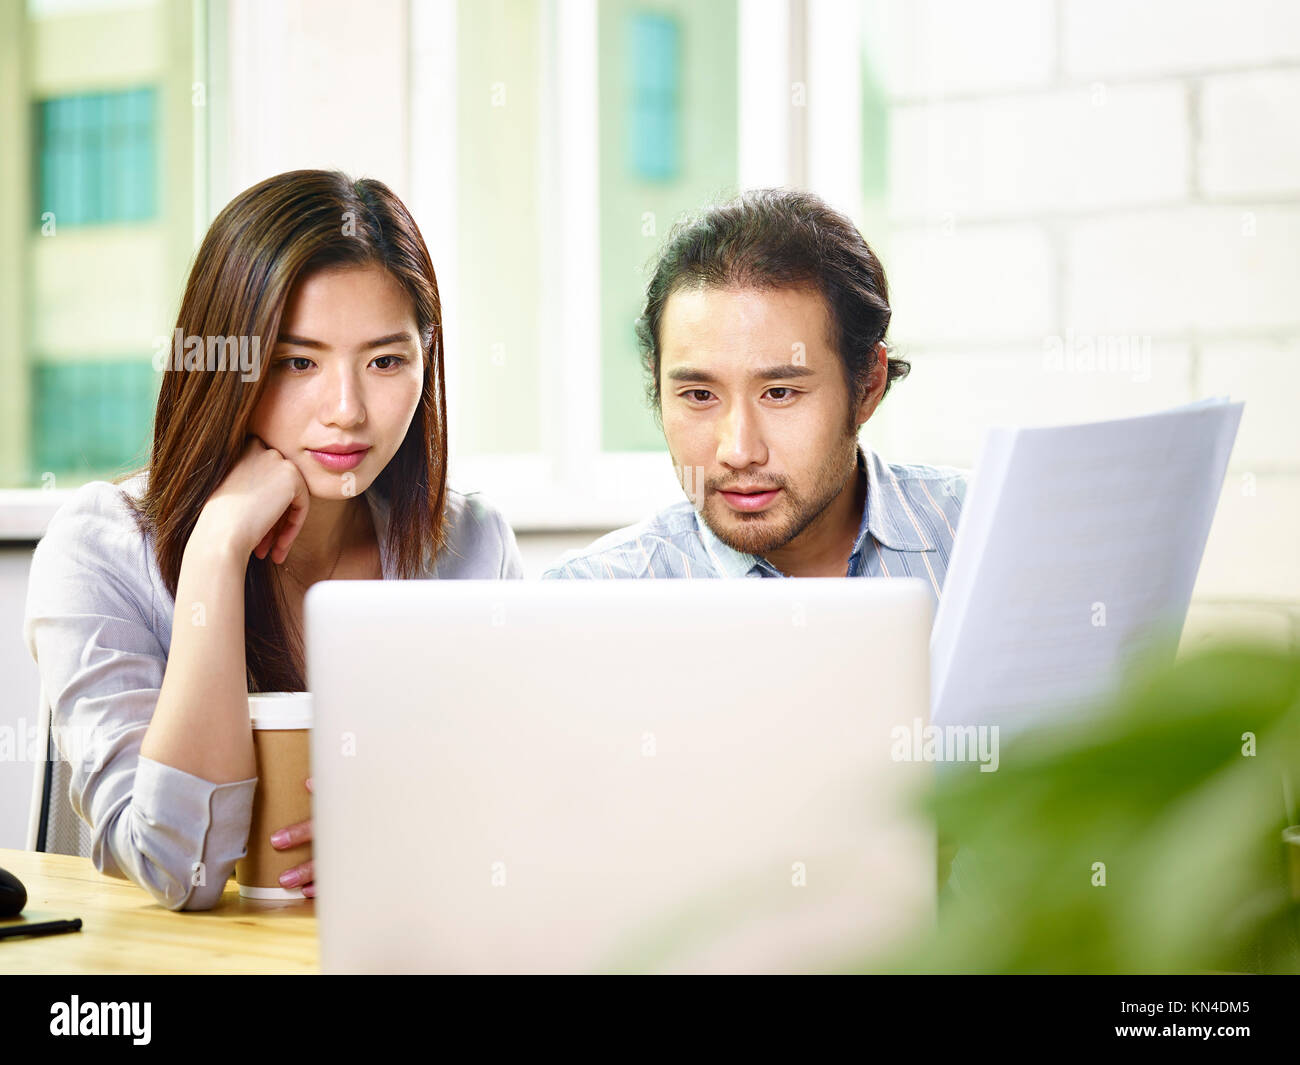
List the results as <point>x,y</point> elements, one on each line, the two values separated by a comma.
<point>125,931</point>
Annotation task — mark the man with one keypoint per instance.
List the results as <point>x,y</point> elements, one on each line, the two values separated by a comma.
<point>763,337</point>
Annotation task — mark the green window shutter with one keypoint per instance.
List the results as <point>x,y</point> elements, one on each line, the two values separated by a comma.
<point>97,157</point>
<point>92,416</point>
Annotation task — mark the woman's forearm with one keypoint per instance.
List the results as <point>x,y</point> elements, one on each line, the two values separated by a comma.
<point>200,725</point>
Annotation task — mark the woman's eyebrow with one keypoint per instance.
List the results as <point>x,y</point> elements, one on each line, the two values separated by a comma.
<point>304,342</point>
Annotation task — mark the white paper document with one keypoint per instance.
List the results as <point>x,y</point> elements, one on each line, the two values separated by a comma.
<point>1076,552</point>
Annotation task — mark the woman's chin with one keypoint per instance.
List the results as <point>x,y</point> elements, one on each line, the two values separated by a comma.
<point>336,486</point>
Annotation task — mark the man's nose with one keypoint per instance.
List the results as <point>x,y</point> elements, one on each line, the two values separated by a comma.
<point>740,442</point>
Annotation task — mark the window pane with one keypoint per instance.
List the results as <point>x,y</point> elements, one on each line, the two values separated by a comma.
<point>92,415</point>
<point>96,155</point>
<point>98,231</point>
<point>499,253</point>
<point>668,144</point>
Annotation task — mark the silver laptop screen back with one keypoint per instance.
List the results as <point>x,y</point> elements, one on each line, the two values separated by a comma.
<point>617,776</point>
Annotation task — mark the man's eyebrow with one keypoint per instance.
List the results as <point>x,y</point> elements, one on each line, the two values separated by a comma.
<point>767,373</point>
<point>304,342</point>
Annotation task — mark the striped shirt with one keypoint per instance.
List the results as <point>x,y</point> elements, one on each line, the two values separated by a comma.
<point>907,529</point>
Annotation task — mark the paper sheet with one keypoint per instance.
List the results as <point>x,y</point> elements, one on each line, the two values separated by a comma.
<point>1076,553</point>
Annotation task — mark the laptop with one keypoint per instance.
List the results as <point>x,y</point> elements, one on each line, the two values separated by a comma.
<point>618,776</point>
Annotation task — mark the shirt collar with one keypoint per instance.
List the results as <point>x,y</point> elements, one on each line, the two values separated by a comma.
<point>730,562</point>
<point>886,517</point>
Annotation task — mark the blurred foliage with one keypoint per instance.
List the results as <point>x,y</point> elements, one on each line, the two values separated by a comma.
<point>1162,789</point>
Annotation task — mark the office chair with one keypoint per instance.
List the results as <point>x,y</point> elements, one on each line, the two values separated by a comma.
<point>52,825</point>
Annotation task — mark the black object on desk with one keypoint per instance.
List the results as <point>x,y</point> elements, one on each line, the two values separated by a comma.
<point>45,928</point>
<point>13,896</point>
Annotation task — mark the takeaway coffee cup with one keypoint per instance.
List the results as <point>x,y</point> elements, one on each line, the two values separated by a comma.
<point>281,724</point>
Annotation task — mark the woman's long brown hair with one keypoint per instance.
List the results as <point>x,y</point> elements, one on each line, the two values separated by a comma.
<point>259,246</point>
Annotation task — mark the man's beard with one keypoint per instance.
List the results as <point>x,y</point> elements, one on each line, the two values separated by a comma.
<point>758,534</point>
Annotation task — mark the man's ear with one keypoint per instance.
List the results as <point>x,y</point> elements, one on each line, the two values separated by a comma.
<point>879,378</point>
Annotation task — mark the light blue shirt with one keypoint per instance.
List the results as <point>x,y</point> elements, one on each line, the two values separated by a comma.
<point>99,624</point>
<point>907,529</point>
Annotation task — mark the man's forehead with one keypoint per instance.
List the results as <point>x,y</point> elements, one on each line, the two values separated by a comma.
<point>747,328</point>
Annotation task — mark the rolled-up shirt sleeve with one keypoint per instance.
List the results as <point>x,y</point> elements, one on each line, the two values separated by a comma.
<point>92,625</point>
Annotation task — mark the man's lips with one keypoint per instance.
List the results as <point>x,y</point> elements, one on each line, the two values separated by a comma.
<point>749,500</point>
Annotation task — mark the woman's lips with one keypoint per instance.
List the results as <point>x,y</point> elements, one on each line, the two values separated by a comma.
<point>749,502</point>
<point>336,463</point>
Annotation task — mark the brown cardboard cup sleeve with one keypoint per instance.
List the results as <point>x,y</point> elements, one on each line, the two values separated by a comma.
<point>281,723</point>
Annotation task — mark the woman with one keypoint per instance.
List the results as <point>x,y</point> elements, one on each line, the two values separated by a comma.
<point>156,603</point>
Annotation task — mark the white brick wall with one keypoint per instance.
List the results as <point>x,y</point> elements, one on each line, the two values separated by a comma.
<point>1122,176</point>
<point>1146,38</point>
<point>938,48</point>
<point>1252,552</point>
<point>1267,376</point>
<point>1251,134</point>
<point>1192,268</point>
<point>1026,385</point>
<point>950,284</point>
<point>1082,148</point>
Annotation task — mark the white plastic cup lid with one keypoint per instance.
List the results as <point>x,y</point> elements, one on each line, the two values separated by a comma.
<point>280,710</point>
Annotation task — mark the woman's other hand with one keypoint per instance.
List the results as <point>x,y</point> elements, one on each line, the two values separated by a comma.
<point>292,836</point>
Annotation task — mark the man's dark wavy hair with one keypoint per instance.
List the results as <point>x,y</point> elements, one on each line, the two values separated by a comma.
<point>778,238</point>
